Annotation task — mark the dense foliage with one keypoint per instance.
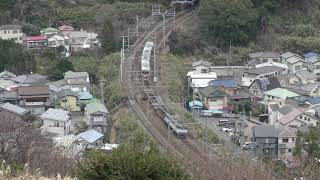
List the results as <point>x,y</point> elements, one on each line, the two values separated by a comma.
<point>141,158</point>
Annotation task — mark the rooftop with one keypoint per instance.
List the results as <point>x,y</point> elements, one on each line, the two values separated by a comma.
<point>56,114</point>
<point>290,116</point>
<point>295,59</point>
<point>288,55</point>
<point>281,93</point>
<point>85,96</point>
<point>311,54</point>
<point>74,75</point>
<point>267,83</point>
<point>212,92</point>
<point>65,28</point>
<point>90,136</point>
<point>201,62</point>
<point>33,90</point>
<point>96,107</point>
<point>49,30</point>
<point>7,74</point>
<point>7,84</point>
<point>228,83</point>
<point>195,103</point>
<point>313,101</point>
<point>286,109</point>
<point>78,34</point>
<point>31,79</point>
<point>286,131</point>
<point>264,70</point>
<point>270,55</point>
<point>264,131</point>
<point>14,109</point>
<point>10,27</point>
<point>37,38</point>
<point>306,75</point>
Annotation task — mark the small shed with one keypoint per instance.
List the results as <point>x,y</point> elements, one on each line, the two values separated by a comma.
<point>195,105</point>
<point>91,138</point>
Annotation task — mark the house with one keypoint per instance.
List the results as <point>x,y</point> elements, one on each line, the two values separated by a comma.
<point>13,112</point>
<point>278,96</point>
<point>9,96</point>
<point>56,122</point>
<point>214,98</point>
<point>229,86</point>
<point>264,57</point>
<point>79,40</point>
<point>36,44</point>
<point>79,81</point>
<point>300,118</point>
<point>201,67</point>
<point>311,55</point>
<point>86,98</point>
<point>287,137</point>
<point>296,64</point>
<point>91,139</point>
<point>49,31</point>
<point>68,100</point>
<point>97,117</point>
<point>11,32</point>
<point>266,139</point>
<point>65,30</point>
<point>6,75</point>
<point>259,86</point>
<point>250,75</point>
<point>195,105</point>
<point>275,112</point>
<point>302,82</point>
<point>58,41</point>
<point>299,101</point>
<point>34,98</point>
<point>7,85</point>
<point>287,55</point>
<point>313,60</point>
<point>30,79</point>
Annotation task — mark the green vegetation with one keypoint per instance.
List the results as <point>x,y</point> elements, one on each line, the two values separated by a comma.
<point>140,158</point>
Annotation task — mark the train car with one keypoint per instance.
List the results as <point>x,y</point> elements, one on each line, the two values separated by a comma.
<point>179,131</point>
<point>145,59</point>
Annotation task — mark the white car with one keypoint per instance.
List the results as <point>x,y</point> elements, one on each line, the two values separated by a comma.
<point>228,130</point>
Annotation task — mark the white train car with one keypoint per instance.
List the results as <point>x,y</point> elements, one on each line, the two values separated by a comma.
<point>146,54</point>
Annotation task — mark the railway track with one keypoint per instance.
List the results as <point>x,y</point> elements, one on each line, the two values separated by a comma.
<point>190,151</point>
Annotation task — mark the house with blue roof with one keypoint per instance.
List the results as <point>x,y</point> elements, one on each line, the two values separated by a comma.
<point>229,86</point>
<point>195,105</point>
<point>311,55</point>
<point>313,60</point>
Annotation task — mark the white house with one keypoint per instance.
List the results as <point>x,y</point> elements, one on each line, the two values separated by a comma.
<point>287,55</point>
<point>11,32</point>
<point>56,121</point>
<point>56,41</point>
<point>250,75</point>
<point>299,118</point>
<point>286,141</point>
<point>201,75</point>
<point>296,64</point>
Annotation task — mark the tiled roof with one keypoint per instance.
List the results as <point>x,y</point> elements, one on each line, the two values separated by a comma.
<point>286,109</point>
<point>295,59</point>
<point>31,79</point>
<point>14,109</point>
<point>290,116</point>
<point>96,107</point>
<point>282,93</point>
<point>306,75</point>
<point>67,92</point>
<point>5,74</point>
<point>286,131</point>
<point>212,92</point>
<point>288,55</point>
<point>228,83</point>
<point>56,114</point>
<point>264,131</point>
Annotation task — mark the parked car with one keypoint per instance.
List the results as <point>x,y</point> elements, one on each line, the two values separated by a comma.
<point>228,130</point>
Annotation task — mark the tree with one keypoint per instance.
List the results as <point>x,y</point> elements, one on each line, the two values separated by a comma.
<point>62,66</point>
<point>140,158</point>
<point>224,21</point>
<point>106,36</point>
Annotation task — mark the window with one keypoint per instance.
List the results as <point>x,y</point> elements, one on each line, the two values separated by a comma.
<point>290,150</point>
<point>300,117</point>
<point>297,67</point>
<point>293,139</point>
<point>15,32</point>
<point>305,118</point>
<point>20,38</point>
<point>272,97</point>
<point>275,60</point>
<point>242,75</point>
<point>5,32</point>
<point>317,67</point>
<point>285,140</point>
<point>203,71</point>
<point>56,124</point>
<point>269,96</point>
<point>264,60</point>
<point>308,119</point>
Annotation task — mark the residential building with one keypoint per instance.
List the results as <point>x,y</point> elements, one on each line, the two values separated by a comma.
<point>274,141</point>
<point>201,75</point>
<point>263,57</point>
<point>11,32</point>
<point>311,55</point>
<point>300,118</point>
<point>68,100</point>
<point>6,75</point>
<point>36,44</point>
<point>59,41</point>
<point>229,86</point>
<point>303,77</point>
<point>12,112</point>
<point>278,96</point>
<point>9,96</point>
<point>195,105</point>
<point>91,139</point>
<point>34,98</point>
<point>56,122</point>
<point>65,30</point>
<point>79,81</point>
<point>250,75</point>
<point>97,117</point>
<point>296,63</point>
<point>287,55</point>
<point>259,86</point>
<point>275,112</point>
<point>30,79</point>
<point>201,67</point>
<point>313,60</point>
<point>7,85</point>
<point>49,31</point>
<point>214,98</point>
<point>80,40</point>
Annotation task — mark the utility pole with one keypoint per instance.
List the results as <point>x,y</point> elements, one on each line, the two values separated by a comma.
<point>137,26</point>
<point>164,29</point>
<point>102,83</point>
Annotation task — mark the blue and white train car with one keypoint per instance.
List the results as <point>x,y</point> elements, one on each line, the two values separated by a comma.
<point>146,54</point>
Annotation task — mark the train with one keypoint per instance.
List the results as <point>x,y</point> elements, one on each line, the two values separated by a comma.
<point>156,101</point>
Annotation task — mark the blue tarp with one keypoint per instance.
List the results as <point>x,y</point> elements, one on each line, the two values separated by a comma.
<point>195,104</point>
<point>213,111</point>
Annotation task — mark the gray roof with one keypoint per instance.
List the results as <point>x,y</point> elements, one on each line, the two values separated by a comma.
<point>286,109</point>
<point>212,92</point>
<point>56,114</point>
<point>289,55</point>
<point>10,27</point>
<point>298,88</point>
<point>264,131</point>
<point>67,92</point>
<point>274,107</point>
<point>96,107</point>
<point>295,59</point>
<point>7,74</point>
<point>9,95</point>
<point>31,79</point>
<point>75,75</point>
<point>268,83</point>
<point>286,131</point>
<point>14,109</point>
<point>90,136</point>
<point>264,70</point>
<point>270,55</point>
<point>306,75</point>
<point>255,55</point>
<point>201,62</point>
<point>78,34</point>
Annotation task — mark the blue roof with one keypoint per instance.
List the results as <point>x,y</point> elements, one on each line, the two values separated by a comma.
<point>230,83</point>
<point>314,100</point>
<point>213,111</point>
<point>195,104</point>
<point>311,54</point>
<point>85,96</point>
<point>90,136</point>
